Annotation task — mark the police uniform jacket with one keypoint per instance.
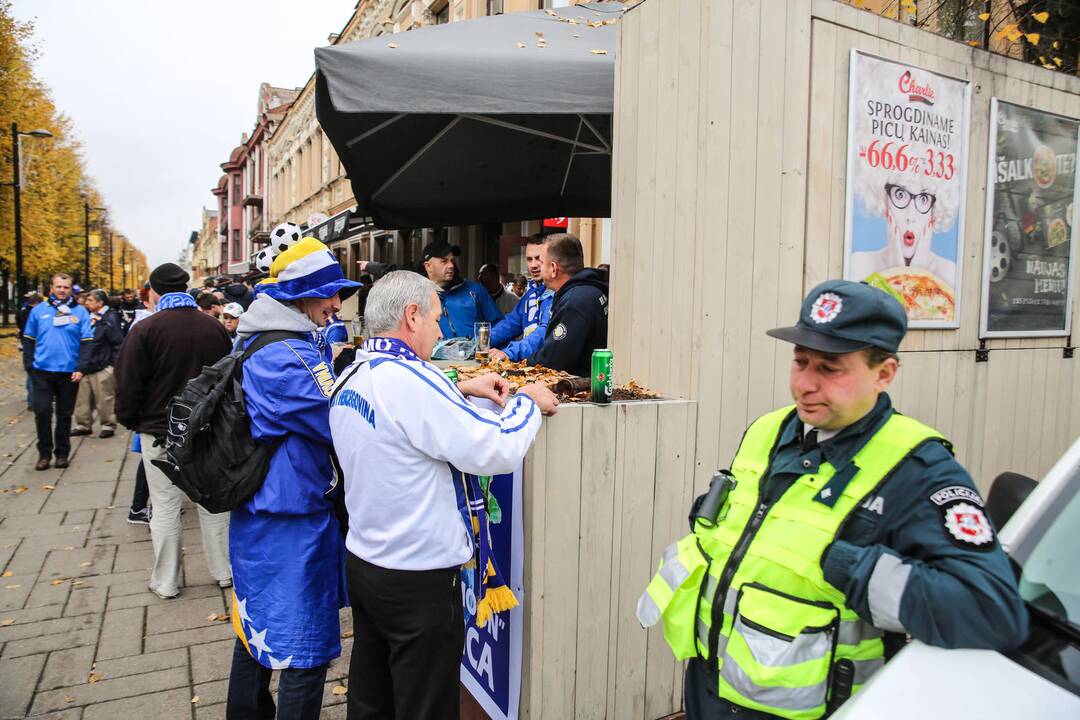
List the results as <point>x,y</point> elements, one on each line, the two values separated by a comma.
<point>953,586</point>
<point>578,324</point>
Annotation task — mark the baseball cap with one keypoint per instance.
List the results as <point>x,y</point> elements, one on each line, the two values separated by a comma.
<point>842,316</point>
<point>439,249</point>
<point>234,309</point>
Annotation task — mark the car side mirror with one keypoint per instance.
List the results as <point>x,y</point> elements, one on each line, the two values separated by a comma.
<point>1007,493</point>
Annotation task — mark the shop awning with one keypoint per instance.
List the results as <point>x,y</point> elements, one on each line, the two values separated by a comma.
<point>344,224</point>
<point>496,119</point>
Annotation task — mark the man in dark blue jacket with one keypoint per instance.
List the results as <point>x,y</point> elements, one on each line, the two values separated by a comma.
<point>56,344</point>
<point>578,323</point>
<point>98,386</point>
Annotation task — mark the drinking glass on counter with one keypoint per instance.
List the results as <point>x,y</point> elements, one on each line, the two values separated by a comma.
<point>482,335</point>
<point>358,329</point>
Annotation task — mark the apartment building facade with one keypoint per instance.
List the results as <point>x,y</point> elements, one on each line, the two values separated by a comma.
<point>243,222</point>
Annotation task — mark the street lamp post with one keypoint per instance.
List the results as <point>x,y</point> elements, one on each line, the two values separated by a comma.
<point>20,280</point>
<point>86,239</point>
<point>111,288</point>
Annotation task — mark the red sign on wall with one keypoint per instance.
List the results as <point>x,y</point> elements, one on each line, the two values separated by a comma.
<point>557,222</point>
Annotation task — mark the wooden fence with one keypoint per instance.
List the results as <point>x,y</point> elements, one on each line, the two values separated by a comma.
<point>729,191</point>
<point>606,488</point>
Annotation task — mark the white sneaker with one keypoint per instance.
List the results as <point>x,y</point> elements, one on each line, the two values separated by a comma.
<point>162,595</point>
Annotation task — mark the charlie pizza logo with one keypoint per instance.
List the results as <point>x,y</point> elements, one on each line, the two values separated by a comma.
<point>915,92</point>
<point>826,308</point>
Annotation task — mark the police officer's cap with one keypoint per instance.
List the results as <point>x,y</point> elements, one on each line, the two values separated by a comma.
<point>841,316</point>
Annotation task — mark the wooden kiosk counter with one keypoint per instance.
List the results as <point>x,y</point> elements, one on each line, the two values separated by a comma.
<point>606,488</point>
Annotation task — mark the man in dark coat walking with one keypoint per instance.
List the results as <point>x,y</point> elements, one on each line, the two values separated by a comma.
<point>98,386</point>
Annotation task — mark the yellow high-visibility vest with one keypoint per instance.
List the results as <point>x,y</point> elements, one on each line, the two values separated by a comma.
<point>750,593</point>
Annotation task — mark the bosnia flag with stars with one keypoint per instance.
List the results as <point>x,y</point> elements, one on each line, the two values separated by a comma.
<point>285,543</point>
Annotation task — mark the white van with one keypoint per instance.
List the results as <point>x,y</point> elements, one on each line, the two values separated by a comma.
<point>1041,679</point>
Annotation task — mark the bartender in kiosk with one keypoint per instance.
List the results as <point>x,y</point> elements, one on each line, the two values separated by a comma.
<point>842,528</point>
<point>578,323</point>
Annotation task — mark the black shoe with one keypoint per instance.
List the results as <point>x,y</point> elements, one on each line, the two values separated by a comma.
<point>139,517</point>
<point>42,464</point>
<point>107,433</point>
<point>79,432</point>
<point>61,462</point>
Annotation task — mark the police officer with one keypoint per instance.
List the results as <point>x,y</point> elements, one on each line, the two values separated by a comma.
<point>578,322</point>
<point>842,527</point>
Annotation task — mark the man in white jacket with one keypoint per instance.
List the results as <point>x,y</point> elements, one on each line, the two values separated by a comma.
<point>404,435</point>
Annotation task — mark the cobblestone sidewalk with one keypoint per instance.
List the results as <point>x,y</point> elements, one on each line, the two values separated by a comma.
<point>80,635</point>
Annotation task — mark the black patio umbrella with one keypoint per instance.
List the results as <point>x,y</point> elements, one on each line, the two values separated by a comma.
<point>496,119</point>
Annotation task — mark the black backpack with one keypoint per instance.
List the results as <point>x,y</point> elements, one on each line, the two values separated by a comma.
<point>209,451</point>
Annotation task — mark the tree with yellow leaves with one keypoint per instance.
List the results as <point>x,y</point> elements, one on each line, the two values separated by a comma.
<point>1043,32</point>
<point>54,182</point>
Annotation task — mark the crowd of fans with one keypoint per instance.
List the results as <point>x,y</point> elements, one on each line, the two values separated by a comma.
<point>95,358</point>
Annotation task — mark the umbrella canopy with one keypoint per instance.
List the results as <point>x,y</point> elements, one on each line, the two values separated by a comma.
<point>496,119</point>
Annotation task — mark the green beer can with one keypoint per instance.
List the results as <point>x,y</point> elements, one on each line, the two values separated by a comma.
<point>452,374</point>
<point>602,383</point>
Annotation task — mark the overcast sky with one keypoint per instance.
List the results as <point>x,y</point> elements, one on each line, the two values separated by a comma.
<point>160,92</point>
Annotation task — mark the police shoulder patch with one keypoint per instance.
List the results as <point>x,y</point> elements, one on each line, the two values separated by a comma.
<point>967,526</point>
<point>559,332</point>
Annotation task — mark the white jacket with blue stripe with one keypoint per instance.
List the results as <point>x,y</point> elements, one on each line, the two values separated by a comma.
<point>398,425</point>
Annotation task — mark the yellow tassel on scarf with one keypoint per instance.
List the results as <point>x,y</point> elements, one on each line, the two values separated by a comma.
<point>495,600</point>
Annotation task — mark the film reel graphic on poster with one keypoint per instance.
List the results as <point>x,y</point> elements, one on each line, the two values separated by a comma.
<point>1030,250</point>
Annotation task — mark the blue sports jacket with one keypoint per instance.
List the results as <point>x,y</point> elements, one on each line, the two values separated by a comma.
<point>335,332</point>
<point>57,337</point>
<point>528,320</point>
<point>465,303</point>
<point>285,543</point>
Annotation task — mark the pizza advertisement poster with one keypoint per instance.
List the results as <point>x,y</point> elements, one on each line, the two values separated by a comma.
<point>1029,256</point>
<point>906,169</point>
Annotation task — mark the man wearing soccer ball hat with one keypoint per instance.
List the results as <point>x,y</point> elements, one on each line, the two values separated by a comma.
<point>288,558</point>
<point>842,527</point>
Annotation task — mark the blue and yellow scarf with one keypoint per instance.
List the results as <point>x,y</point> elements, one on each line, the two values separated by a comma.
<point>492,592</point>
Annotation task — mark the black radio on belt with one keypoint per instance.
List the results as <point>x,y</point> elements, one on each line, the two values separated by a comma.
<point>707,507</point>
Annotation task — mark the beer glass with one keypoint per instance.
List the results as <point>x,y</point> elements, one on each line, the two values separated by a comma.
<point>358,331</point>
<point>482,335</point>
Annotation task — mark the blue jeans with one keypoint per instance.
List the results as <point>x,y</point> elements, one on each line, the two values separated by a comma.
<point>299,690</point>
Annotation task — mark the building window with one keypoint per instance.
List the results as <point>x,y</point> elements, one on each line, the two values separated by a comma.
<point>494,7</point>
<point>237,188</point>
<point>443,16</point>
<point>236,253</point>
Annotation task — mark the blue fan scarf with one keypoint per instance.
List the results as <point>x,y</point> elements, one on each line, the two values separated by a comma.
<point>492,592</point>
<point>173,300</point>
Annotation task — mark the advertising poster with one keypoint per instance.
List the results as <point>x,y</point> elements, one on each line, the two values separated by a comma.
<point>491,659</point>
<point>1029,259</point>
<point>907,160</point>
